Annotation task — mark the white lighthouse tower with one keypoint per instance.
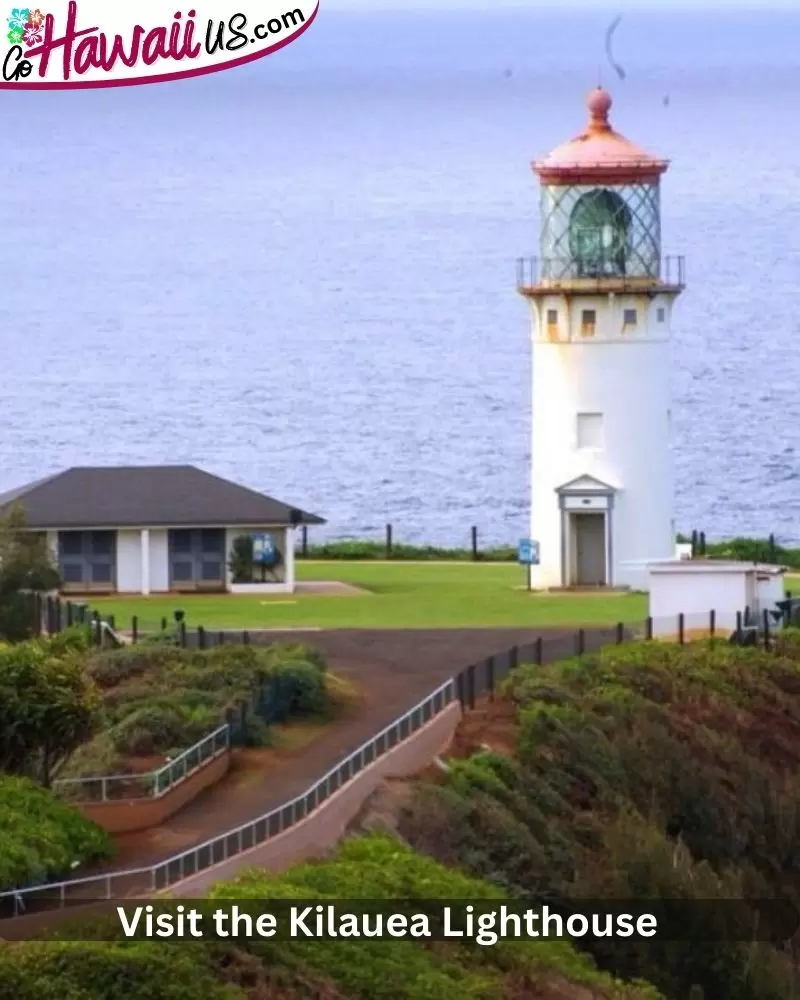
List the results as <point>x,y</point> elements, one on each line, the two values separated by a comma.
<point>601,298</point>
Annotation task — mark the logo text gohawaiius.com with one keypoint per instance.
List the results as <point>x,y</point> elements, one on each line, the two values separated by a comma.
<point>46,51</point>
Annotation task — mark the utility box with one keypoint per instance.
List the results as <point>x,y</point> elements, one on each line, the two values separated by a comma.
<point>696,587</point>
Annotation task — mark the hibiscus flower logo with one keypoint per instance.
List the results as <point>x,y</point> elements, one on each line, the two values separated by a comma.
<point>32,35</point>
<point>19,18</point>
<point>26,26</point>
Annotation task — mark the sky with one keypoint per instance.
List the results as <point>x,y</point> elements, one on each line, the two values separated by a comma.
<point>488,5</point>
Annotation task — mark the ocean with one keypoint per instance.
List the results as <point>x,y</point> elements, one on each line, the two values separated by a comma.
<point>300,274</point>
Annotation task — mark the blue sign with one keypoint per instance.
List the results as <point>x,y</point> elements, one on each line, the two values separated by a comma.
<point>528,552</point>
<point>264,550</point>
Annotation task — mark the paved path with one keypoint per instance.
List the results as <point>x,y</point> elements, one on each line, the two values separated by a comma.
<point>393,671</point>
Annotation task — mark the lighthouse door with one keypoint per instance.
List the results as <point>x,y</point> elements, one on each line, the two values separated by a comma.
<point>590,549</point>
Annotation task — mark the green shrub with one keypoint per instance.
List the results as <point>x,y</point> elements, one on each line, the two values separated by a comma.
<point>258,732</point>
<point>85,970</point>
<point>281,652</point>
<point>110,667</point>
<point>360,549</point>
<point>375,867</point>
<point>48,706</point>
<point>97,757</point>
<point>165,637</point>
<point>294,689</point>
<point>41,836</point>
<point>754,550</point>
<point>644,771</point>
<point>158,698</point>
<point>76,639</point>
<point>379,867</point>
<point>149,730</point>
<point>787,644</point>
<point>234,668</point>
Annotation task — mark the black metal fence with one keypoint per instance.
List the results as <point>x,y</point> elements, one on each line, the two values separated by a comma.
<point>388,547</point>
<point>752,550</point>
<point>270,704</point>
<point>747,627</point>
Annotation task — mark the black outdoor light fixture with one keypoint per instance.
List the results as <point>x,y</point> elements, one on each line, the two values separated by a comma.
<point>179,616</point>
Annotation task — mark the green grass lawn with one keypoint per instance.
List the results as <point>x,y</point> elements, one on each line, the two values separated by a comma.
<point>401,595</point>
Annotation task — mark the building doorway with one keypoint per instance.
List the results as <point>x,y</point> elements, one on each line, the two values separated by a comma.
<point>87,561</point>
<point>197,559</point>
<point>589,566</point>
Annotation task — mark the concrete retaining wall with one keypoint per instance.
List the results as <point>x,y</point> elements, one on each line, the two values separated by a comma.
<point>129,815</point>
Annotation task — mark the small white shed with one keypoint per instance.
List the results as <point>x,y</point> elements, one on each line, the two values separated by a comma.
<point>695,587</point>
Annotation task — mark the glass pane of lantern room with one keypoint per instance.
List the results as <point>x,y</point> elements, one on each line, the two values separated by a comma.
<point>599,229</point>
<point>589,250</point>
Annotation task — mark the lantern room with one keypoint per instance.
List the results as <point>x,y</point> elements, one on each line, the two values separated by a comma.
<point>600,209</point>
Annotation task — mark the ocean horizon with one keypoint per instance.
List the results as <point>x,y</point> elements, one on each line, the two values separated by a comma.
<point>300,274</point>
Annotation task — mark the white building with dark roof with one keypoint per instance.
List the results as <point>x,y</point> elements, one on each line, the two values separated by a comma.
<point>158,529</point>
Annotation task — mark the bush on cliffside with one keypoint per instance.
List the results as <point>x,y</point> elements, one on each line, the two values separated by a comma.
<point>647,770</point>
<point>367,868</point>
<point>159,700</point>
<point>40,837</point>
<point>48,705</point>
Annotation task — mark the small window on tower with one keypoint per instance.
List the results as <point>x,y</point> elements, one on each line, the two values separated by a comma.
<point>661,314</point>
<point>588,322</point>
<point>629,318</point>
<point>552,317</point>
<point>590,430</point>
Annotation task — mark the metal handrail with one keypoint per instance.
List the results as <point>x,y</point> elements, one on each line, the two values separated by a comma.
<point>668,268</point>
<point>257,831</point>
<point>176,770</point>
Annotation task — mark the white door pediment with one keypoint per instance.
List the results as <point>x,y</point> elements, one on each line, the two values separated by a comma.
<point>585,484</point>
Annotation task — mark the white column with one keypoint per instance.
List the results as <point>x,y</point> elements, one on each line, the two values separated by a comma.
<point>145,543</point>
<point>52,546</point>
<point>290,543</point>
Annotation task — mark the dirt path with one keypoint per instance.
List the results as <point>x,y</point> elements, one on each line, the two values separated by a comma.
<point>393,671</point>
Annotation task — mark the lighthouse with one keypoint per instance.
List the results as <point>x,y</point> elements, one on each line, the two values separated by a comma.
<point>601,297</point>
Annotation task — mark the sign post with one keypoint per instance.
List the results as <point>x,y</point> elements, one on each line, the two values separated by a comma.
<point>528,556</point>
<point>264,553</point>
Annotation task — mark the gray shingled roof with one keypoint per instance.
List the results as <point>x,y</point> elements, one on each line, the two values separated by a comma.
<point>146,496</point>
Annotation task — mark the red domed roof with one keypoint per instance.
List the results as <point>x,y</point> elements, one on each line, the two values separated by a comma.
<point>598,153</point>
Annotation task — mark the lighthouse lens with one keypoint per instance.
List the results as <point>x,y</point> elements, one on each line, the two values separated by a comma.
<point>599,234</point>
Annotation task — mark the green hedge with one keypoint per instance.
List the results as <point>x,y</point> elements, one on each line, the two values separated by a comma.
<point>48,705</point>
<point>378,867</point>
<point>41,837</point>
<point>163,699</point>
<point>355,549</point>
<point>373,867</point>
<point>92,971</point>
<point>648,770</point>
<point>754,550</point>
<point>748,549</point>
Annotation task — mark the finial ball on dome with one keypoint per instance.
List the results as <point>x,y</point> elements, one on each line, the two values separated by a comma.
<point>599,103</point>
